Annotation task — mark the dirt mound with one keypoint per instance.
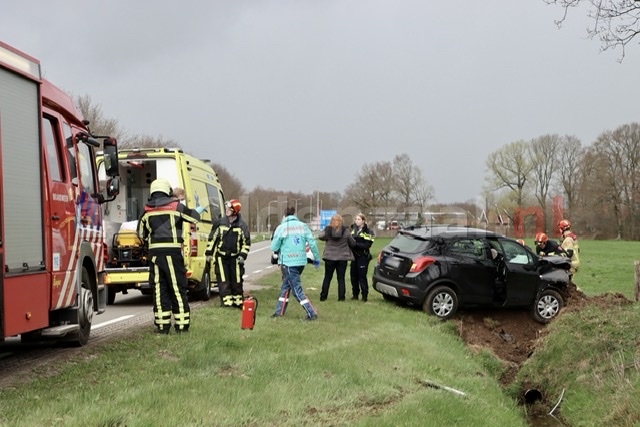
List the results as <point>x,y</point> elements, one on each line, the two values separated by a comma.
<point>512,335</point>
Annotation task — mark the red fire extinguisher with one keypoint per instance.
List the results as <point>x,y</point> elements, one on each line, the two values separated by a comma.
<point>249,307</point>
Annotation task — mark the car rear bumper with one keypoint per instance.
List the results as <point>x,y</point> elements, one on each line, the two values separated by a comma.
<point>129,278</point>
<point>403,291</point>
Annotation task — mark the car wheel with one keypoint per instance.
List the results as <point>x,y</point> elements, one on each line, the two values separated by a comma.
<point>547,306</point>
<point>111,295</point>
<point>205,293</point>
<point>442,302</point>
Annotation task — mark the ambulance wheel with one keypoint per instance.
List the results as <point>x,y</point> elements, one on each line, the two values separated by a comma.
<point>111,295</point>
<point>205,293</point>
<point>85,311</point>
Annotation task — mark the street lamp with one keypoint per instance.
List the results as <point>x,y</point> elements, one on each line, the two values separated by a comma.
<point>296,200</point>
<point>269,215</point>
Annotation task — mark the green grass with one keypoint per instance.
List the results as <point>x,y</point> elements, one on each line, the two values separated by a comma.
<point>359,364</point>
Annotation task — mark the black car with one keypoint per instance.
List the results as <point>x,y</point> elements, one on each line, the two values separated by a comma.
<point>442,268</point>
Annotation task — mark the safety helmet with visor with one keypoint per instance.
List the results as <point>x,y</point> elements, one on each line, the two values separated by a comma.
<point>233,205</point>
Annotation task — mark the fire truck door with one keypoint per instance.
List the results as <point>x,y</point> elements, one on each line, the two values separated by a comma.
<point>61,210</point>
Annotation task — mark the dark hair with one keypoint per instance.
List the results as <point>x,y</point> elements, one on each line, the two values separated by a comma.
<point>290,211</point>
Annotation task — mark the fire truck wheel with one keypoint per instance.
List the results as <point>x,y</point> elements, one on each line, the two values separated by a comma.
<point>85,311</point>
<point>205,293</point>
<point>111,295</point>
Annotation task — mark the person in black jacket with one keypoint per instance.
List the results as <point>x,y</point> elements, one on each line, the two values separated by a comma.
<point>546,247</point>
<point>229,245</point>
<point>161,227</point>
<point>364,238</point>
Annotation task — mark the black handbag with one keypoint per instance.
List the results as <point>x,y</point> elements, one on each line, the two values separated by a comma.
<point>274,257</point>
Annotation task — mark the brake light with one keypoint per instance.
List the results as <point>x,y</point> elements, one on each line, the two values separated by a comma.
<point>421,263</point>
<point>194,241</point>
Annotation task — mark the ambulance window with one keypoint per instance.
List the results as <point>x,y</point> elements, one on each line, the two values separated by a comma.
<point>214,202</point>
<point>86,168</point>
<point>49,126</point>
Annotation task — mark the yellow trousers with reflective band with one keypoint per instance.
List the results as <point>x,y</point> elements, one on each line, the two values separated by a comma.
<point>168,277</point>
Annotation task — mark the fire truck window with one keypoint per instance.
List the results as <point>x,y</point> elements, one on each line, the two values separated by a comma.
<point>71,152</point>
<point>49,127</point>
<point>86,168</point>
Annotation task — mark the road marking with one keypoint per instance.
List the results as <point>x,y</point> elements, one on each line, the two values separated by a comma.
<point>109,322</point>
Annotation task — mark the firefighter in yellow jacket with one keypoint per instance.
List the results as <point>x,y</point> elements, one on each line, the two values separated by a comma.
<point>570,244</point>
<point>229,245</point>
<point>161,227</point>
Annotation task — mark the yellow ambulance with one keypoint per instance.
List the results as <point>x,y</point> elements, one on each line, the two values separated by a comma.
<point>126,266</point>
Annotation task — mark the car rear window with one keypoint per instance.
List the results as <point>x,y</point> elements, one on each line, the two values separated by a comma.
<point>411,244</point>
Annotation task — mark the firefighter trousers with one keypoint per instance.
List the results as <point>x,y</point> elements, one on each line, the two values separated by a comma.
<point>168,276</point>
<point>229,272</point>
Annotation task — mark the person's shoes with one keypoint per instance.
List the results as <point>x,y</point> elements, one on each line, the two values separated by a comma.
<point>275,316</point>
<point>310,318</point>
<point>164,331</point>
<point>340,299</point>
<point>364,300</point>
<point>355,297</point>
<point>323,298</point>
<point>182,331</point>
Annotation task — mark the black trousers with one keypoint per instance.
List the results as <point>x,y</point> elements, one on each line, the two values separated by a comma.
<point>358,273</point>
<point>168,276</point>
<point>340,268</point>
<point>229,272</point>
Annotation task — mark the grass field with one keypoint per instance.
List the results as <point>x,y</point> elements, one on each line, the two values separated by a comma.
<point>373,364</point>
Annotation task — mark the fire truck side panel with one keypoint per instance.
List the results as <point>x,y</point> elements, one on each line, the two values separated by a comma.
<point>22,206</point>
<point>21,174</point>
<point>26,303</point>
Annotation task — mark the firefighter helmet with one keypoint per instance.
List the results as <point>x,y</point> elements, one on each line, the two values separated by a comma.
<point>234,205</point>
<point>161,185</point>
<point>564,225</point>
<point>521,242</point>
<point>541,238</point>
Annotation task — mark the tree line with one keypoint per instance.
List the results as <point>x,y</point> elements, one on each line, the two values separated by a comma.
<point>600,183</point>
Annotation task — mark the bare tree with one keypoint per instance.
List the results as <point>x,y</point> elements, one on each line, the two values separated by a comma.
<point>570,159</point>
<point>98,123</point>
<point>148,141</point>
<point>230,184</point>
<point>510,167</point>
<point>542,154</point>
<point>373,187</point>
<point>618,152</point>
<point>615,22</point>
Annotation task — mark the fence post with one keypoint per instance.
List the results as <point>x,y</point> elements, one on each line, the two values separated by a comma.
<point>637,275</point>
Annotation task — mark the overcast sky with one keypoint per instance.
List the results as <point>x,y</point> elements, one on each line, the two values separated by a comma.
<point>299,94</point>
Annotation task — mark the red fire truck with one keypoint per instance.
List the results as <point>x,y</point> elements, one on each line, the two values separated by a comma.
<point>51,233</point>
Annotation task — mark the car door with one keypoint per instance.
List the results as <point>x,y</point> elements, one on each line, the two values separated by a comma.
<point>522,279</point>
<point>472,269</point>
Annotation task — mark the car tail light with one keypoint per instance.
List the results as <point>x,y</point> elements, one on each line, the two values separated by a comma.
<point>421,263</point>
<point>194,241</point>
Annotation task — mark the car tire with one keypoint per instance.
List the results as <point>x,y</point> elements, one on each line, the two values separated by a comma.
<point>442,302</point>
<point>205,293</point>
<point>111,295</point>
<point>547,306</point>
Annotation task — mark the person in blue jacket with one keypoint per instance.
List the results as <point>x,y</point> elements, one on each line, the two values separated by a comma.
<point>290,241</point>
